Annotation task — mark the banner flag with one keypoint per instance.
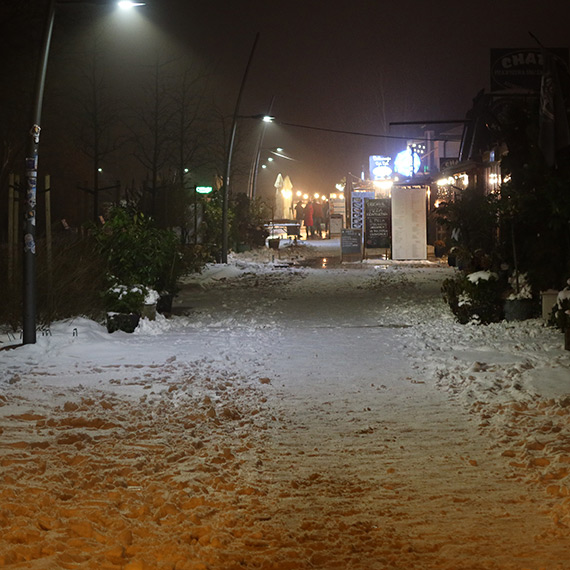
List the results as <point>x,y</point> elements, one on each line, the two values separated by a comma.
<point>554,134</point>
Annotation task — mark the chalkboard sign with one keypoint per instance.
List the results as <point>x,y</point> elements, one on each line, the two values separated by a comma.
<point>351,243</point>
<point>378,228</point>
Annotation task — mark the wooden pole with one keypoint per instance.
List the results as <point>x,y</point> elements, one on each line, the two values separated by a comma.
<point>16,219</point>
<point>47,186</point>
<point>10,228</point>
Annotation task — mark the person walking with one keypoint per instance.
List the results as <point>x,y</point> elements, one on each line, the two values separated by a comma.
<point>326,214</point>
<point>308,219</point>
<point>317,219</point>
<point>299,214</point>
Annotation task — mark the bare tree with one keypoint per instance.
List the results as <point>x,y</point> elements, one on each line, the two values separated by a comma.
<point>189,136</point>
<point>97,135</point>
<point>152,128</point>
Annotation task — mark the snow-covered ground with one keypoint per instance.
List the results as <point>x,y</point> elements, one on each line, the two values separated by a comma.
<point>289,416</point>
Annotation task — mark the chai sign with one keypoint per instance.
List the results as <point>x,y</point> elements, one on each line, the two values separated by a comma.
<point>520,68</point>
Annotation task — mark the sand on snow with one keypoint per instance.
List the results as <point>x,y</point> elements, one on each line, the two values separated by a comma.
<point>289,418</point>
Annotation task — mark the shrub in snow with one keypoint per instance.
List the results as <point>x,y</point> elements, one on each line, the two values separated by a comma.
<point>136,251</point>
<point>475,298</point>
<point>482,276</point>
<point>151,297</point>
<point>125,299</point>
<point>520,287</point>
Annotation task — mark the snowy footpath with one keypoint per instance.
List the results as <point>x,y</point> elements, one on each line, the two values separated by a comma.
<point>293,413</point>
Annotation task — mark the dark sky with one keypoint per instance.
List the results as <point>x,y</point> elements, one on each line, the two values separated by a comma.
<point>355,65</point>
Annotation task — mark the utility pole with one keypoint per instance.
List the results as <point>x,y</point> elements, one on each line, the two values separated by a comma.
<point>30,189</point>
<point>226,189</point>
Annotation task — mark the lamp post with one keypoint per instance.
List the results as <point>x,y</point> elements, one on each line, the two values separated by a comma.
<point>251,187</point>
<point>226,181</point>
<point>31,178</point>
<point>29,316</point>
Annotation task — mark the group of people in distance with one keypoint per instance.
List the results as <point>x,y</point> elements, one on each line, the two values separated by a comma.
<point>314,215</point>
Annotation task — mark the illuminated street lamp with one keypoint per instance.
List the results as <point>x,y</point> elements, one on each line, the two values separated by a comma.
<point>127,4</point>
<point>31,177</point>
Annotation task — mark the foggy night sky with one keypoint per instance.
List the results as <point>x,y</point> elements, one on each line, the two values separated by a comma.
<point>356,65</point>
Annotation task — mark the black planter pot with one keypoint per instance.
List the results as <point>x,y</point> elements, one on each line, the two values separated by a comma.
<point>126,322</point>
<point>520,309</point>
<point>164,304</point>
<point>273,243</point>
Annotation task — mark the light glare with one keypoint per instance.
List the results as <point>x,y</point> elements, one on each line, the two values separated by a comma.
<point>128,4</point>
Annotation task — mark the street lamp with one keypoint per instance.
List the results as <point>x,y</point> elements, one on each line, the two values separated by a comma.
<point>31,165</point>
<point>127,4</point>
<point>266,119</point>
<point>226,181</point>
<point>226,186</point>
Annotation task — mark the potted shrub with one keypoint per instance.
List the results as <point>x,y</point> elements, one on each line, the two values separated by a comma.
<point>439,248</point>
<point>520,303</point>
<point>124,307</point>
<point>560,316</point>
<point>140,255</point>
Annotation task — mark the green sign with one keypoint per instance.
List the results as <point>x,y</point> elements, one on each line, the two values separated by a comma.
<point>203,189</point>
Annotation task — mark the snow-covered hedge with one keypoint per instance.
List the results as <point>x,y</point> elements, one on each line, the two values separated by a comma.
<point>475,297</point>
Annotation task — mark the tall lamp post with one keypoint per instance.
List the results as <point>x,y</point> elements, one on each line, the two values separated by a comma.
<point>29,316</point>
<point>31,177</point>
<point>226,181</point>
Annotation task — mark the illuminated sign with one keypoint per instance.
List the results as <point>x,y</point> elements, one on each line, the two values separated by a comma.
<point>380,168</point>
<point>203,189</point>
<point>520,68</point>
<point>407,163</point>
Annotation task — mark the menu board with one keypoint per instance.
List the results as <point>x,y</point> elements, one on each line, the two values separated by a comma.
<point>378,223</point>
<point>335,224</point>
<point>351,243</point>
<point>409,239</point>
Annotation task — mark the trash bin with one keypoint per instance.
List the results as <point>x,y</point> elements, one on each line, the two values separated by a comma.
<point>548,298</point>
